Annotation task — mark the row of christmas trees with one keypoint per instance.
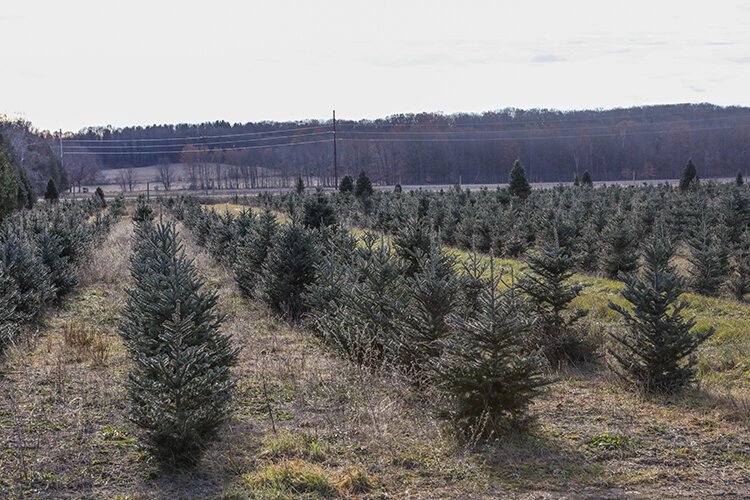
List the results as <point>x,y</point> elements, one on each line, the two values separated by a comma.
<point>485,340</point>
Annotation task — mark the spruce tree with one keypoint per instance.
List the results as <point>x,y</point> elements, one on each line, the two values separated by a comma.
<point>299,186</point>
<point>288,270</point>
<point>8,182</point>
<point>179,384</point>
<point>517,183</point>
<point>53,254</point>
<point>26,193</point>
<point>51,194</point>
<point>363,188</point>
<point>484,370</point>
<point>143,211</point>
<point>739,280</point>
<point>432,297</point>
<point>619,248</point>
<point>8,316</point>
<point>346,185</point>
<point>576,180</point>
<point>252,252</point>
<point>657,351</point>
<point>586,180</point>
<point>411,242</point>
<point>317,212</point>
<point>99,196</point>
<point>689,177</point>
<point>709,259</point>
<point>739,180</point>
<point>547,285</point>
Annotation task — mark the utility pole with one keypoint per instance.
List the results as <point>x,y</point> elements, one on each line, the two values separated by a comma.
<point>335,157</point>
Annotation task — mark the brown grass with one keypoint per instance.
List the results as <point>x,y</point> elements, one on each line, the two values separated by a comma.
<point>310,423</point>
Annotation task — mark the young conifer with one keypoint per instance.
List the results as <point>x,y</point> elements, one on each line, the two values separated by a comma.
<point>517,183</point>
<point>709,259</point>
<point>179,385</point>
<point>252,252</point>
<point>657,351</point>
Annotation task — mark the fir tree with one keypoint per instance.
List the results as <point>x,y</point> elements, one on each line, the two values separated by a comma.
<point>51,194</point>
<point>179,384</point>
<point>657,352</point>
<point>299,186</point>
<point>709,260</point>
<point>517,183</point>
<point>484,371</point>
<point>252,252</point>
<point>739,180</point>
<point>548,288</point>
<point>586,180</point>
<point>363,188</point>
<point>689,176</point>
<point>288,270</point>
<point>346,185</point>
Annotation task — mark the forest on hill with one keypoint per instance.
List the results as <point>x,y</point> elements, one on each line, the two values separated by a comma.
<point>637,143</point>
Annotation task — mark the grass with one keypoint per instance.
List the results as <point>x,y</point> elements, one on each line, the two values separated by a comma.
<point>339,431</point>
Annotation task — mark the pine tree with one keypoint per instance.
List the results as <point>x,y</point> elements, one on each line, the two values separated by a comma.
<point>51,194</point>
<point>709,259</point>
<point>484,371</point>
<point>288,270</point>
<point>299,186</point>
<point>179,384</point>
<point>739,180</point>
<point>550,293</point>
<point>252,252</point>
<point>363,188</point>
<point>689,177</point>
<point>346,185</point>
<point>586,180</point>
<point>517,183</point>
<point>657,352</point>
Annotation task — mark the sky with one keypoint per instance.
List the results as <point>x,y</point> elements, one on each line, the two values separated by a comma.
<point>71,64</point>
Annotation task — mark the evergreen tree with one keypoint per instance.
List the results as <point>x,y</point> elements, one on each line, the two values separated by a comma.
<point>548,288</point>
<point>99,195</point>
<point>657,352</point>
<point>8,316</point>
<point>53,254</point>
<point>586,180</point>
<point>143,211</point>
<point>51,194</point>
<point>739,280</point>
<point>739,180</point>
<point>179,384</point>
<point>689,176</point>
<point>252,252</point>
<point>411,242</point>
<point>576,180</point>
<point>517,183</point>
<point>26,194</point>
<point>619,247</point>
<point>397,188</point>
<point>346,185</point>
<point>288,270</point>
<point>432,297</point>
<point>22,262</point>
<point>8,182</point>
<point>299,186</point>
<point>318,212</point>
<point>709,259</point>
<point>363,189</point>
<point>484,371</point>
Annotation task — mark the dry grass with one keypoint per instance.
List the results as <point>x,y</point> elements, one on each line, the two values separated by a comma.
<point>308,423</point>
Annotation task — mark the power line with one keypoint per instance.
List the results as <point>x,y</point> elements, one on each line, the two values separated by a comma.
<point>198,137</point>
<point>124,147</point>
<point>206,150</point>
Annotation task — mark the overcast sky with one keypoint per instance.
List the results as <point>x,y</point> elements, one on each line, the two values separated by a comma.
<point>68,64</point>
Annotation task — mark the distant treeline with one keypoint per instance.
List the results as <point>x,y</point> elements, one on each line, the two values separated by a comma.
<point>652,142</point>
